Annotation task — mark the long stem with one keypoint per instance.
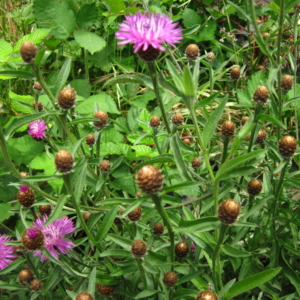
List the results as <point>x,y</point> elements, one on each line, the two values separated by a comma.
<point>225,147</point>
<point>142,272</point>
<point>157,201</point>
<point>295,69</point>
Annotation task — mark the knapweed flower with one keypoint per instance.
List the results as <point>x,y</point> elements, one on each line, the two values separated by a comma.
<point>148,30</point>
<point>36,130</point>
<point>6,252</point>
<point>54,234</point>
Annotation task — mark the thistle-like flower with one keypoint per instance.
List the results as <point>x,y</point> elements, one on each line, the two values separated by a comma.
<point>6,252</point>
<point>54,234</point>
<point>36,130</point>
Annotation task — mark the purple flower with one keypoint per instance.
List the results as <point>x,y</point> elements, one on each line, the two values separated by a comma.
<point>5,252</point>
<point>54,234</point>
<point>148,30</point>
<point>24,188</point>
<point>36,129</point>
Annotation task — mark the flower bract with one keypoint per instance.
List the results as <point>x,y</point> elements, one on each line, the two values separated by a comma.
<point>6,252</point>
<point>36,129</point>
<point>144,30</point>
<point>54,234</point>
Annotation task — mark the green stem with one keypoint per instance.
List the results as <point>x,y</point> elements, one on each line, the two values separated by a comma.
<point>256,114</point>
<point>142,272</point>
<point>216,258</point>
<point>295,69</point>
<point>157,201</point>
<point>153,76</point>
<point>225,147</point>
<point>86,65</point>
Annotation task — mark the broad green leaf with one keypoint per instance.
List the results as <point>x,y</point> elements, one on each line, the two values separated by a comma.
<point>186,294</point>
<point>89,41</point>
<point>251,282</point>
<point>142,150</point>
<point>115,6</point>
<point>62,77</point>
<point>234,252</point>
<point>255,81</point>
<point>4,211</point>
<point>87,16</point>
<point>6,50</point>
<point>207,31</point>
<point>190,17</point>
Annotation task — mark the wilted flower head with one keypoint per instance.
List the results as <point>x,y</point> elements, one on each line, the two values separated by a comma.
<point>36,129</point>
<point>54,234</point>
<point>5,252</point>
<point>144,30</point>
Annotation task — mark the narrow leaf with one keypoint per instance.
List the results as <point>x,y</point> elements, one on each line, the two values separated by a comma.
<point>62,77</point>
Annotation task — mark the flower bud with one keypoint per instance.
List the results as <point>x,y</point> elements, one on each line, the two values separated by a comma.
<point>207,295</point>
<point>28,52</point>
<point>105,290</point>
<point>187,142</point>
<point>261,95</point>
<point>40,106</point>
<point>158,229</point>
<point>86,217</point>
<point>26,196</point>
<point>261,136</point>
<point>196,163</point>
<point>254,187</point>
<point>45,209</point>
<point>135,214</point>
<point>104,166</point>
<point>103,118</point>
<point>155,122</point>
<point>192,52</point>
<point>150,54</point>
<point>228,128</point>
<point>266,35</point>
<point>244,120</point>
<point>90,140</point>
<point>67,98</point>
<point>35,285</point>
<point>25,276</point>
<point>64,161</point>
<point>149,179</point>
<point>37,86</point>
<point>287,82</point>
<point>287,146</point>
<point>139,248</point>
<point>211,56</point>
<point>84,296</point>
<point>235,73</point>
<point>182,249</point>
<point>170,279</point>
<point>33,239</point>
<point>177,119</point>
<point>229,211</point>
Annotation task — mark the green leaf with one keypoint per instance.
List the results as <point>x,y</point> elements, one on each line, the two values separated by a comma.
<point>92,281</point>
<point>234,252</point>
<point>14,265</point>
<point>212,122</point>
<point>207,32</point>
<point>145,294</point>
<point>255,80</point>
<point>104,101</point>
<point>188,277</point>
<point>142,150</point>
<point>251,282</point>
<point>115,6</point>
<point>87,16</point>
<point>60,18</point>
<point>164,158</point>
<point>180,186</point>
<point>4,212</point>
<point>123,242</point>
<point>89,41</point>
<point>6,50</point>
<point>190,18</point>
<point>112,135</point>
<point>242,171</point>
<point>7,74</point>
<point>200,225</point>
<point>54,276</point>
<point>129,78</point>
<point>80,182</point>
<point>62,77</point>
<point>119,253</point>
<point>271,119</point>
<point>188,82</point>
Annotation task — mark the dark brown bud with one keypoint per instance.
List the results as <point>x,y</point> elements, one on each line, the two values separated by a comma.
<point>28,52</point>
<point>170,279</point>
<point>229,211</point>
<point>182,249</point>
<point>177,119</point>
<point>27,197</point>
<point>155,122</point>
<point>35,285</point>
<point>187,142</point>
<point>104,166</point>
<point>139,248</point>
<point>103,118</point>
<point>66,98</point>
<point>64,161</point>
<point>261,95</point>
<point>287,146</point>
<point>235,73</point>
<point>90,140</point>
<point>196,163</point>
<point>158,229</point>
<point>105,290</point>
<point>135,214</point>
<point>211,56</point>
<point>25,276</point>
<point>37,86</point>
<point>45,209</point>
<point>254,187</point>
<point>149,179</point>
<point>207,295</point>
<point>287,82</point>
<point>192,52</point>
<point>228,128</point>
<point>261,136</point>
<point>33,239</point>
<point>40,106</point>
<point>244,120</point>
<point>84,296</point>
<point>150,54</point>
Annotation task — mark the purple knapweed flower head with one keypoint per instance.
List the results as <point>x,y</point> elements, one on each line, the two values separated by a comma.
<point>54,234</point>
<point>149,29</point>
<point>24,188</point>
<point>6,252</point>
<point>32,233</point>
<point>36,129</point>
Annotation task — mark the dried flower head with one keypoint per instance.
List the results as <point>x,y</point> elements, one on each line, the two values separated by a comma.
<point>28,52</point>
<point>149,179</point>
<point>287,82</point>
<point>105,290</point>
<point>196,163</point>
<point>40,106</point>
<point>261,95</point>
<point>244,120</point>
<point>36,130</point>
<point>192,52</point>
<point>287,146</point>
<point>6,252</point>
<point>254,187</point>
<point>67,98</point>
<point>55,235</point>
<point>25,276</point>
<point>207,295</point>
<point>90,140</point>
<point>45,209</point>
<point>170,279</point>
<point>155,122</point>
<point>182,249</point>
<point>229,211</point>
<point>177,119</point>
<point>266,35</point>
<point>104,166</point>
<point>211,56</point>
<point>33,239</point>
<point>84,296</point>
<point>228,128</point>
<point>64,161</point>
<point>103,118</point>
<point>158,229</point>
<point>139,248</point>
<point>187,142</point>
<point>261,136</point>
<point>25,196</point>
<point>35,285</point>
<point>235,73</point>
<point>135,214</point>
<point>37,86</point>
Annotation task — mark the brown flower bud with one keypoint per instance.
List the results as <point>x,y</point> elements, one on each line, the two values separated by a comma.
<point>150,54</point>
<point>187,142</point>
<point>104,166</point>
<point>25,276</point>
<point>182,249</point>
<point>37,86</point>
<point>207,295</point>
<point>135,214</point>
<point>229,211</point>
<point>40,106</point>
<point>86,217</point>
<point>139,248</point>
<point>24,174</point>
<point>170,279</point>
<point>149,179</point>
<point>261,136</point>
<point>177,119</point>
<point>196,163</point>
<point>45,209</point>
<point>266,35</point>
<point>66,98</point>
<point>26,197</point>
<point>138,194</point>
<point>261,95</point>
<point>64,161</point>
<point>192,52</point>
<point>211,56</point>
<point>103,118</point>
<point>35,285</point>
<point>28,52</point>
<point>235,73</point>
<point>244,120</point>
<point>287,82</point>
<point>262,68</point>
<point>287,146</point>
<point>105,290</point>
<point>33,239</point>
<point>90,140</point>
<point>297,7</point>
<point>228,128</point>
<point>254,187</point>
<point>84,296</point>
<point>158,229</point>
<point>155,122</point>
